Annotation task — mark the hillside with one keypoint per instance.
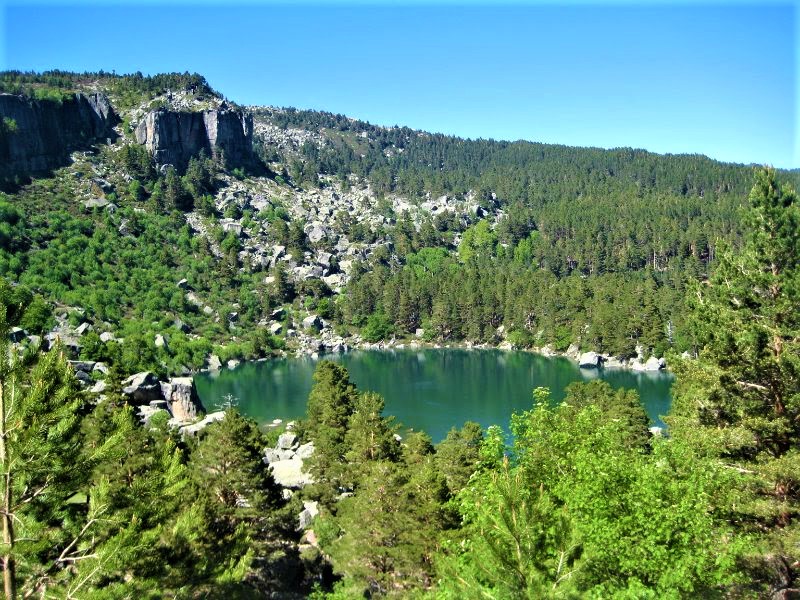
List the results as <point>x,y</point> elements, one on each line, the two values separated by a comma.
<point>243,231</point>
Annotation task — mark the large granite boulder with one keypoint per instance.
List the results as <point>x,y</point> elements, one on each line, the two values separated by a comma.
<point>287,441</point>
<point>181,396</point>
<point>289,473</point>
<point>141,388</point>
<point>589,360</point>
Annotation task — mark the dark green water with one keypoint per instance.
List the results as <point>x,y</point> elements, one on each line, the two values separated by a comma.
<point>432,390</point>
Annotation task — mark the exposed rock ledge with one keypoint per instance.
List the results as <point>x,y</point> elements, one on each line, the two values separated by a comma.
<point>42,133</point>
<point>174,137</point>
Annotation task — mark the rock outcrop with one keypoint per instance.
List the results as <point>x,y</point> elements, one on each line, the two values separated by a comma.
<point>178,395</point>
<point>38,135</point>
<point>181,395</point>
<point>174,137</point>
<point>589,360</point>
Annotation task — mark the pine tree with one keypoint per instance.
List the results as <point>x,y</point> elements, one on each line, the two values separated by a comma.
<point>370,436</point>
<point>743,394</point>
<point>740,400</point>
<point>41,465</point>
<point>330,406</point>
<point>458,454</point>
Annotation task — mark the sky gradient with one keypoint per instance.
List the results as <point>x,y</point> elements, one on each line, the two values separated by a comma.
<point>714,79</point>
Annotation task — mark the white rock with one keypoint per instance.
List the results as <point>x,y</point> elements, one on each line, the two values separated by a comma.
<point>286,441</point>
<point>305,451</point>
<point>289,473</point>
<point>589,360</point>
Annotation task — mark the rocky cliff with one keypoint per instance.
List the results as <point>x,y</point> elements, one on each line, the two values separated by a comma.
<point>38,135</point>
<point>174,137</point>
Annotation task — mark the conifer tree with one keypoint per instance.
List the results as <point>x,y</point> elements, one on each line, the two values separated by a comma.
<point>370,435</point>
<point>41,464</point>
<point>330,406</point>
<point>740,400</point>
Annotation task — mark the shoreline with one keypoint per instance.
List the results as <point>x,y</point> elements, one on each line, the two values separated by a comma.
<point>317,347</point>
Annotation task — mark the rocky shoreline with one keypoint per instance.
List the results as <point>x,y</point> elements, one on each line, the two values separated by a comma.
<point>307,343</point>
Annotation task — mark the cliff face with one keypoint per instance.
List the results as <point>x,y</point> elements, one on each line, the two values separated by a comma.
<point>44,132</point>
<point>174,137</point>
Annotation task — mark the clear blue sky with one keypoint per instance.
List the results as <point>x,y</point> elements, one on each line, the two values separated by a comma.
<point>715,79</point>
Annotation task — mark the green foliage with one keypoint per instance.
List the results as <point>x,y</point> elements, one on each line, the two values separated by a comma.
<point>740,400</point>
<point>518,543</point>
<point>377,328</point>
<point>458,455</point>
<point>42,467</point>
<point>478,240</point>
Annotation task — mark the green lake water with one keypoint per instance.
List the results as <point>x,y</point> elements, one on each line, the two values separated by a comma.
<point>432,390</point>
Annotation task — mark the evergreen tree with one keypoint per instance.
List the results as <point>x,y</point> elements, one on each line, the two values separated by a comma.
<point>457,456</point>
<point>41,465</point>
<point>330,406</point>
<point>370,435</point>
<point>740,400</point>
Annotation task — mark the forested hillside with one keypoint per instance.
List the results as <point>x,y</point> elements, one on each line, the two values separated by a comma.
<point>370,233</point>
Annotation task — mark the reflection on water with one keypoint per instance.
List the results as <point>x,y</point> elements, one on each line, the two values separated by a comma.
<point>432,390</point>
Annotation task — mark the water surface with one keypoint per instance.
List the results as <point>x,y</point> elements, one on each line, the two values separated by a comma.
<point>432,390</point>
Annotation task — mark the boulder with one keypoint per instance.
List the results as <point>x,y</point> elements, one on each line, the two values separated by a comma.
<point>100,368</point>
<point>612,362</point>
<point>233,363</point>
<point>16,335</point>
<point>289,473</point>
<point>83,365</point>
<point>312,322</point>
<point>573,351</point>
<point>305,451</point>
<point>83,328</point>
<point>160,341</point>
<point>310,510</point>
<point>589,360</point>
<point>196,428</point>
<point>214,363</point>
<point>183,284</point>
<point>146,414</point>
<point>316,233</point>
<point>286,441</point>
<point>275,328</point>
<point>654,364</point>
<point>181,394</point>
<point>324,259</point>
<point>143,387</point>
<point>271,455</point>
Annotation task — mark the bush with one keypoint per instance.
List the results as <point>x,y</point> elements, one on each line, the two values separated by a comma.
<point>378,327</point>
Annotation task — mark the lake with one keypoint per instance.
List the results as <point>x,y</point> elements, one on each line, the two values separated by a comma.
<point>432,389</point>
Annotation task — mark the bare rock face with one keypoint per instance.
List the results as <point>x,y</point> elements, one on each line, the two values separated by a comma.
<point>141,388</point>
<point>178,395</point>
<point>174,137</point>
<point>181,396</point>
<point>39,134</point>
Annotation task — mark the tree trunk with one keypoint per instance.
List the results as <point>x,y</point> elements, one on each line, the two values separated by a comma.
<point>9,575</point>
